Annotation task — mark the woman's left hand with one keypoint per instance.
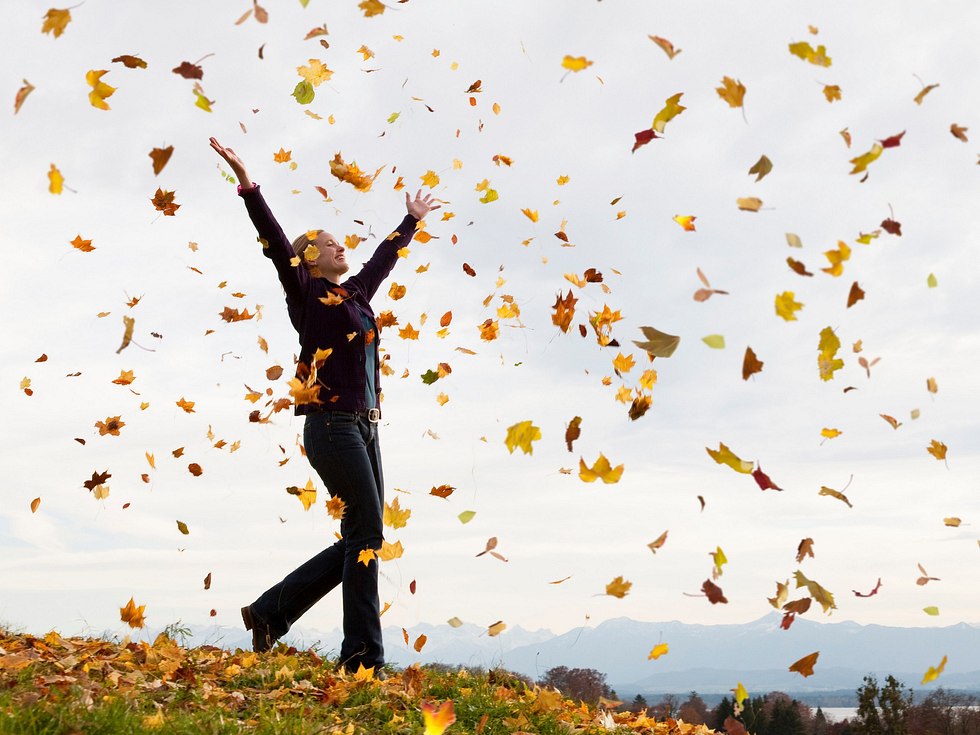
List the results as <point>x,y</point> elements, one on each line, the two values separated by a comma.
<point>420,206</point>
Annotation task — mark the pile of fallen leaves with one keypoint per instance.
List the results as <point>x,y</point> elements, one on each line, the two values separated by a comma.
<point>72,681</point>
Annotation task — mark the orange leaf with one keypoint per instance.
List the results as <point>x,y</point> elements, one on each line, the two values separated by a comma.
<point>805,665</point>
<point>132,614</point>
<point>437,719</point>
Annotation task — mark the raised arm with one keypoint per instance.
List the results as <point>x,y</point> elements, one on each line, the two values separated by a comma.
<point>275,245</point>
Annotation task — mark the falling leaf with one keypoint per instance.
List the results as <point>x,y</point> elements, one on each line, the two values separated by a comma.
<point>871,593</point>
<point>35,504</point>
<point>806,52</point>
<point>366,556</point>
<point>862,161</point>
<point>497,628</point>
<point>855,295</point>
<point>163,201</point>
<point>787,306</point>
<point>55,21</point>
<point>805,665</point>
<point>394,516</point>
<point>600,470</point>
<point>804,550</point>
<point>520,435</point>
<point>22,94</point>
<point>130,62</point>
<point>352,174</point>
<point>931,385</point>
<point>922,94</point>
<point>160,156</point>
<point>732,91</point>
<point>619,587</point>
<point>931,610</point>
<point>100,90</point>
<point>658,542</point>
<point>761,168</point>
<point>182,527</point>
<point>925,578</point>
<point>837,258</point>
<point>830,433</point>
<point>714,341</point>
<point>643,137</point>
<point>112,425</point>
<point>306,495</point>
<point>316,73</point>
<point>936,448</point>
<point>835,494</point>
<point>724,455</point>
<point>371,7</point>
<point>661,649</point>
<point>749,204</point>
<point>818,593</point>
<point>442,491</point>
<point>713,592</point>
<point>132,614</point>
<point>658,344</point>
<point>575,63</point>
<point>831,92</point>
<point>80,244</point>
<point>750,364</point>
<point>827,361</point>
<point>672,108</point>
<point>934,671</point>
<point>763,480</point>
<point>931,281</point>
<point>336,507</point>
<point>564,311</point>
<point>667,46</point>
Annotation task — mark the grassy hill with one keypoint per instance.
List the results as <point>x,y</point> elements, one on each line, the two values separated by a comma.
<point>84,685</point>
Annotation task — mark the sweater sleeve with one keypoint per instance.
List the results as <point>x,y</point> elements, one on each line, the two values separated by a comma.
<point>275,246</point>
<point>376,270</point>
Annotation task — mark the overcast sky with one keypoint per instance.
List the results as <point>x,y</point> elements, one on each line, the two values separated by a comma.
<point>76,560</point>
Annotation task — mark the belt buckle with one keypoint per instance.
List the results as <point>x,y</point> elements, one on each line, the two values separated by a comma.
<point>374,415</point>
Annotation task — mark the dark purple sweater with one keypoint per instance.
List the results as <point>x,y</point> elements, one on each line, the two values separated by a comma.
<point>342,376</point>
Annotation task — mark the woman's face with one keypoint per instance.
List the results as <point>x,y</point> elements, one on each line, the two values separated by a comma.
<point>331,262</point>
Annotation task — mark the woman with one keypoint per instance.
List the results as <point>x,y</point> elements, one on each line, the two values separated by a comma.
<point>339,391</point>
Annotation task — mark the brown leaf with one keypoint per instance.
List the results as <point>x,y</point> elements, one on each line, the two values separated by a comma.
<point>804,550</point>
<point>798,267</point>
<point>751,364</point>
<point>160,156</point>
<point>855,295</point>
<point>573,431</point>
<point>189,71</point>
<point>442,491</point>
<point>713,592</point>
<point>892,227</point>
<point>131,62</point>
<point>195,469</point>
<point>959,132</point>
<point>207,581</point>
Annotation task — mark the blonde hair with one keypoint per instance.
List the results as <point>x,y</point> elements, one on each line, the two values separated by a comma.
<point>302,242</point>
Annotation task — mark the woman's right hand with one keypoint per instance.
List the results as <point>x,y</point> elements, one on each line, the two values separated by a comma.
<point>232,159</point>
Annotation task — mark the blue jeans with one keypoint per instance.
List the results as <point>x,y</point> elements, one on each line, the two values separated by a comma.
<point>343,449</point>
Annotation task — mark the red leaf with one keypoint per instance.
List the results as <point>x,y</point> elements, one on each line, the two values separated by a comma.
<point>892,142</point>
<point>763,480</point>
<point>642,138</point>
<point>868,594</point>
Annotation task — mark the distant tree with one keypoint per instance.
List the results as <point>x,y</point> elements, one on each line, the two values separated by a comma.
<point>785,718</point>
<point>819,726</point>
<point>841,728</point>
<point>723,710</point>
<point>882,710</point>
<point>666,707</point>
<point>693,711</point>
<point>586,685</point>
<point>945,713</point>
<point>639,704</point>
<point>755,718</point>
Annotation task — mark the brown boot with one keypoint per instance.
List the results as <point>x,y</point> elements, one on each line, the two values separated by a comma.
<point>261,635</point>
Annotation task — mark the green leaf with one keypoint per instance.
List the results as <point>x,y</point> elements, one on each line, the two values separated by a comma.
<point>429,377</point>
<point>304,93</point>
<point>931,610</point>
<point>715,341</point>
<point>393,116</point>
<point>931,281</point>
<point>466,516</point>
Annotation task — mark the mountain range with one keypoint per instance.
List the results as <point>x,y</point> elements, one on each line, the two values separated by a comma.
<point>705,658</point>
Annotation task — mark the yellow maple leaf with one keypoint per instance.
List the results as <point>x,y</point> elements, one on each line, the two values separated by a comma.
<point>741,693</point>
<point>934,671</point>
<point>350,173</point>
<point>489,330</point>
<point>111,426</point>
<point>489,195</point>
<point>732,91</point>
<point>371,7</point>
<point>830,433</point>
<point>316,73</point>
<point>786,305</point>
<point>364,674</point>
<point>648,378</point>
<point>365,556</point>
<point>623,363</point>
<point>389,551</point>
<point>282,157</point>
<point>55,21</point>
<point>831,92</point>
<point>531,214</point>
<point>394,516</point>
<point>125,378</point>
<point>132,614</point>
<point>306,495</point>
<point>575,63</point>
<point>365,52</point>
<point>188,406</point>
<point>408,332</point>
<point>437,719</point>
<point>619,587</point>
<point>818,593</point>
<point>100,90</point>
<point>520,435</point>
<point>686,221</point>
<point>937,449</point>
<point>80,244</point>
<point>672,108</point>
<point>724,455</point>
<point>600,470</point>
<point>827,362</point>
<point>336,507</point>
<point>430,178</point>
<point>659,650</point>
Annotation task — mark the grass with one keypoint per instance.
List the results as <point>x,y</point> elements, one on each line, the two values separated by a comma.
<point>75,686</point>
